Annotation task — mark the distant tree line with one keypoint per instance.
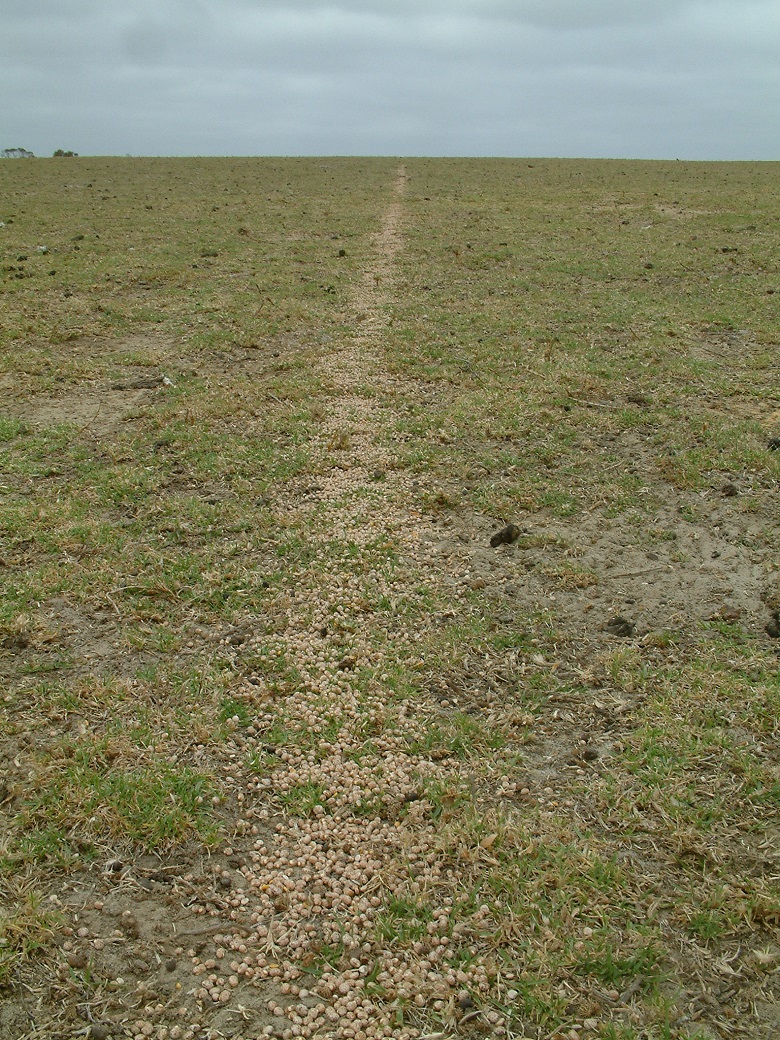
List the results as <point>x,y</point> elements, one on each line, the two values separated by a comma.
<point>22,153</point>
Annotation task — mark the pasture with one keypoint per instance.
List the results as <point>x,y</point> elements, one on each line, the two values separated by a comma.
<point>288,747</point>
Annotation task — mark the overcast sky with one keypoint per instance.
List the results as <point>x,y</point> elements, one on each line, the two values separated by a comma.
<point>697,79</point>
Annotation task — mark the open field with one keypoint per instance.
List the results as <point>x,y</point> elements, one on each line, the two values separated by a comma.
<point>288,748</point>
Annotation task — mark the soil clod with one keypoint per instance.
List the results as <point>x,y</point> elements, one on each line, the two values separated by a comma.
<point>619,626</point>
<point>506,535</point>
<point>144,383</point>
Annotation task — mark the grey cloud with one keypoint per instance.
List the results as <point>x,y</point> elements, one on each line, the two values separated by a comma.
<point>652,78</point>
<point>572,15</point>
<point>146,42</point>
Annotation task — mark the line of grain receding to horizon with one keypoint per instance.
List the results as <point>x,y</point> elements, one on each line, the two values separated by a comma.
<point>371,294</point>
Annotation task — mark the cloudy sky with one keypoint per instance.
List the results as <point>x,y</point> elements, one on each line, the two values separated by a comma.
<point>697,79</point>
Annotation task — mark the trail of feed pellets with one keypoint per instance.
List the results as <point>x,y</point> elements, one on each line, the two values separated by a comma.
<point>351,901</point>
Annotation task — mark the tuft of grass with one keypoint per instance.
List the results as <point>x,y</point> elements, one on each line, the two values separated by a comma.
<point>27,927</point>
<point>302,799</point>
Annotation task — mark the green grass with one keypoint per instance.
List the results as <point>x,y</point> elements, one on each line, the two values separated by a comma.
<point>302,799</point>
<point>154,804</point>
<point>574,351</point>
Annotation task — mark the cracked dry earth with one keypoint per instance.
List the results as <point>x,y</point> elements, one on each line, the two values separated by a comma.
<point>288,930</point>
